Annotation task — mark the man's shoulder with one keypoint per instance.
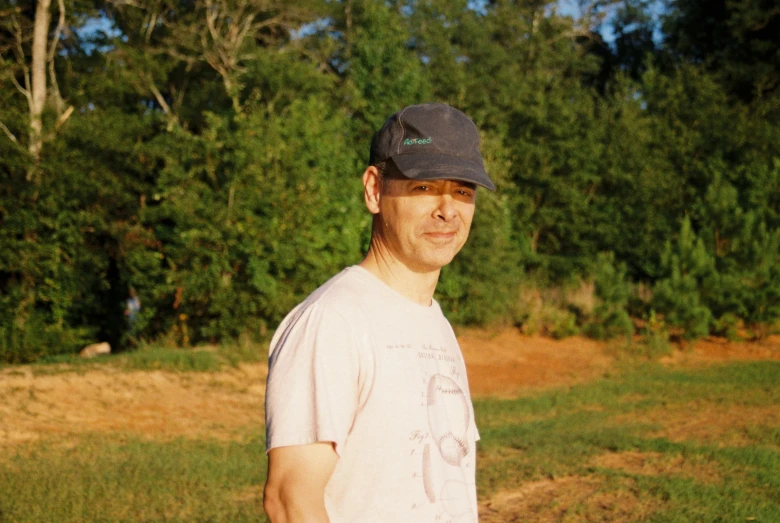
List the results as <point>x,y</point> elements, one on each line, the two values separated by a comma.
<point>345,294</point>
<point>338,305</point>
<point>348,288</point>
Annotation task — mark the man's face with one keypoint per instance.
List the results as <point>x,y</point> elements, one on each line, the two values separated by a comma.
<point>425,223</point>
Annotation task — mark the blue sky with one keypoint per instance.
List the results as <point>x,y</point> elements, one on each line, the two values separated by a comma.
<point>563,7</point>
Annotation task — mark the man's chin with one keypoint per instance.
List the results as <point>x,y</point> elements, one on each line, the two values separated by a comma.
<point>433,263</point>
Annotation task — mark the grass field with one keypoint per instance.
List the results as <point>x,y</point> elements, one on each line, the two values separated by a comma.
<point>644,444</point>
<point>152,357</point>
<point>647,445</point>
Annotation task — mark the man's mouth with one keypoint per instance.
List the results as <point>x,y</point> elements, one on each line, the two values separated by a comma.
<point>444,235</point>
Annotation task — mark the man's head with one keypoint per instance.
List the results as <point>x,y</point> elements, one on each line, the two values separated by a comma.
<point>431,142</point>
<point>422,183</point>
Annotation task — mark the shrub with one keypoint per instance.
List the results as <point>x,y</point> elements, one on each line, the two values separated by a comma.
<point>678,295</point>
<point>610,318</point>
<point>34,337</point>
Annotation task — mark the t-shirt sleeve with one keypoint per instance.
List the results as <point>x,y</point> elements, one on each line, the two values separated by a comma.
<point>312,388</point>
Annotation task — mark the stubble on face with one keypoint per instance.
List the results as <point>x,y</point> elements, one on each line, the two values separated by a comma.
<point>424,224</point>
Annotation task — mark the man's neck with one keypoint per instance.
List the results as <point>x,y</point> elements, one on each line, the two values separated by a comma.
<point>417,286</point>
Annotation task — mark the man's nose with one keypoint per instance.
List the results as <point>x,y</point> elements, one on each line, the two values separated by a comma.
<point>446,209</point>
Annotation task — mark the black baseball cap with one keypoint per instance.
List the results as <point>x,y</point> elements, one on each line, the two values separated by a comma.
<point>431,141</point>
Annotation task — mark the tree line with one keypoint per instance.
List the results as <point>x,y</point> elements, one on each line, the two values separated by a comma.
<point>207,155</point>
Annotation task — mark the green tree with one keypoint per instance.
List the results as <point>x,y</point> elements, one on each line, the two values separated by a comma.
<point>612,290</point>
<point>678,295</point>
<point>735,40</point>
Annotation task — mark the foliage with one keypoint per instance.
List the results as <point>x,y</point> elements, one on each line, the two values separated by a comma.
<point>610,317</point>
<point>678,295</point>
<point>736,40</point>
<point>212,156</point>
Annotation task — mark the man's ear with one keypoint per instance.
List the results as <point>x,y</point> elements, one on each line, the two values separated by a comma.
<point>372,188</point>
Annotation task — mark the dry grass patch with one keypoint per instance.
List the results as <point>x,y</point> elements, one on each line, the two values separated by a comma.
<point>657,464</point>
<point>707,423</point>
<point>251,496</point>
<point>573,498</point>
<point>150,404</point>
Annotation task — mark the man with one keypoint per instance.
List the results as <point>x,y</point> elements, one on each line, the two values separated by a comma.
<point>368,412</point>
<point>132,309</point>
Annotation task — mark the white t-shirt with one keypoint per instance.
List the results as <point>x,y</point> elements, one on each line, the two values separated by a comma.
<point>383,378</point>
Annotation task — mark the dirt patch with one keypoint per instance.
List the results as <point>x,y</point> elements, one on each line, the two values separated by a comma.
<point>573,498</point>
<point>151,404</point>
<point>707,423</point>
<point>506,362</point>
<point>657,464</point>
<point>720,350</point>
<point>159,404</point>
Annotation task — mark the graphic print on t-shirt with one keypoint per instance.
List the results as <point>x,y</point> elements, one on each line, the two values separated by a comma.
<point>435,410</point>
<point>443,449</point>
<point>448,417</point>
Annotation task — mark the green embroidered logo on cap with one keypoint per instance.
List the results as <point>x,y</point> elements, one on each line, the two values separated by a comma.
<point>417,141</point>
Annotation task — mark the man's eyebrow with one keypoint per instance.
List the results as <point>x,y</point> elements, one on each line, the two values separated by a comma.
<point>470,185</point>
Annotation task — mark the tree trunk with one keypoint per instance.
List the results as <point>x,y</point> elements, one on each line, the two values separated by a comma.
<point>39,59</point>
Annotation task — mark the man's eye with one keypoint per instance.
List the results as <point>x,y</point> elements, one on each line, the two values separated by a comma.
<point>422,188</point>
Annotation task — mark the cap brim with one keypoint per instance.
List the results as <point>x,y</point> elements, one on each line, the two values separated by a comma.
<point>442,167</point>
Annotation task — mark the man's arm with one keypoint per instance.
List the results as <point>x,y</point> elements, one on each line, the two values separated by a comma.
<point>297,475</point>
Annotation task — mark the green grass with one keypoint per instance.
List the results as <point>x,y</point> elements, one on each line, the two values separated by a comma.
<point>97,479</point>
<point>732,474</point>
<point>561,433</point>
<point>157,357</point>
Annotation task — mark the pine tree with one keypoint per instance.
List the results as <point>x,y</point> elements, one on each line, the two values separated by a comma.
<point>678,295</point>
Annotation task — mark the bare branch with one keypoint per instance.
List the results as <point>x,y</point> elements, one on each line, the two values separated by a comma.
<point>58,31</point>
<point>574,33</point>
<point>160,98</point>
<point>8,133</point>
<point>19,87</point>
<point>64,117</point>
<point>11,11</point>
<point>57,97</point>
<point>150,26</point>
<point>187,59</point>
<point>177,95</point>
<point>767,18</point>
<point>20,59</point>
<point>131,3</point>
